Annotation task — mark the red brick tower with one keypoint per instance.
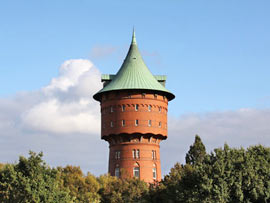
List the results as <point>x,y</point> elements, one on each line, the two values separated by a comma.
<point>134,106</point>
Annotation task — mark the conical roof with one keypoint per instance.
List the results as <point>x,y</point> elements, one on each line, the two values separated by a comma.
<point>134,74</point>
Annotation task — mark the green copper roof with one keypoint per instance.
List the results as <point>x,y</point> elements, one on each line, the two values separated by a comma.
<point>133,74</point>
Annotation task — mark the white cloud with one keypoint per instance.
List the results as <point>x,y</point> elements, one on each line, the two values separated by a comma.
<point>102,51</point>
<point>67,106</point>
<point>62,120</point>
<point>243,127</point>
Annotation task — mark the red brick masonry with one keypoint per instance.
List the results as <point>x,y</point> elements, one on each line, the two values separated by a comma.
<point>134,122</point>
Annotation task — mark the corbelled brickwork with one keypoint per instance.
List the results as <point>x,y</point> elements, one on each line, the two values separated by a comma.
<point>134,106</point>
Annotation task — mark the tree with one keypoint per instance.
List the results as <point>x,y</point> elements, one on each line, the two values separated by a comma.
<point>196,152</point>
<point>31,180</point>
<point>117,190</point>
<point>81,188</point>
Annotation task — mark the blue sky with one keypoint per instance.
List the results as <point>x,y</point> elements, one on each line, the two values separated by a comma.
<point>214,53</point>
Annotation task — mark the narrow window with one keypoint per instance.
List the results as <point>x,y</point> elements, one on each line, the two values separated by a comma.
<point>111,123</point>
<point>136,122</point>
<point>136,172</point>
<point>137,153</point>
<point>111,109</point>
<point>155,96</point>
<point>123,122</point>
<point>149,107</point>
<point>123,107</point>
<point>117,172</point>
<point>149,122</point>
<point>136,107</point>
<point>159,124</point>
<point>159,109</point>
<point>134,153</point>
<point>154,156</point>
<point>154,173</point>
<point>117,155</point>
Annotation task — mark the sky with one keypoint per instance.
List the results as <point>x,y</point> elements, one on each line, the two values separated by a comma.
<point>215,55</point>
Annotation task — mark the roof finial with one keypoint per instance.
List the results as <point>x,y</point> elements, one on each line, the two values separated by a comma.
<point>133,37</point>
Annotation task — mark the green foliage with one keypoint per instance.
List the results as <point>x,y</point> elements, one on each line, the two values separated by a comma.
<point>30,181</point>
<point>117,190</point>
<point>225,175</point>
<point>81,188</point>
<point>196,152</point>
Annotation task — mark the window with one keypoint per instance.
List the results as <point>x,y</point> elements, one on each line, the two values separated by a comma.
<point>154,155</point>
<point>136,153</point>
<point>154,173</point>
<point>159,109</point>
<point>159,124</point>
<point>149,107</point>
<point>136,172</point>
<point>117,172</point>
<point>136,107</point>
<point>123,122</point>
<point>149,122</point>
<point>111,123</point>
<point>155,96</point>
<point>111,109</point>
<point>123,107</point>
<point>136,122</point>
<point>117,154</point>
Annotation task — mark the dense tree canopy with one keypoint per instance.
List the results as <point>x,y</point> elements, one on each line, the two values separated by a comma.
<point>30,180</point>
<point>225,175</point>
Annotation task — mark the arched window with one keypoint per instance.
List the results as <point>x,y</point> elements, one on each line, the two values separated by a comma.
<point>154,172</point>
<point>136,170</point>
<point>123,122</point>
<point>117,171</point>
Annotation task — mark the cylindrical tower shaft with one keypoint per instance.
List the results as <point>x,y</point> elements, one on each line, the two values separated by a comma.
<point>134,106</point>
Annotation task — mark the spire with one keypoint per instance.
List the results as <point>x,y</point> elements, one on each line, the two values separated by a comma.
<point>134,74</point>
<point>133,37</point>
